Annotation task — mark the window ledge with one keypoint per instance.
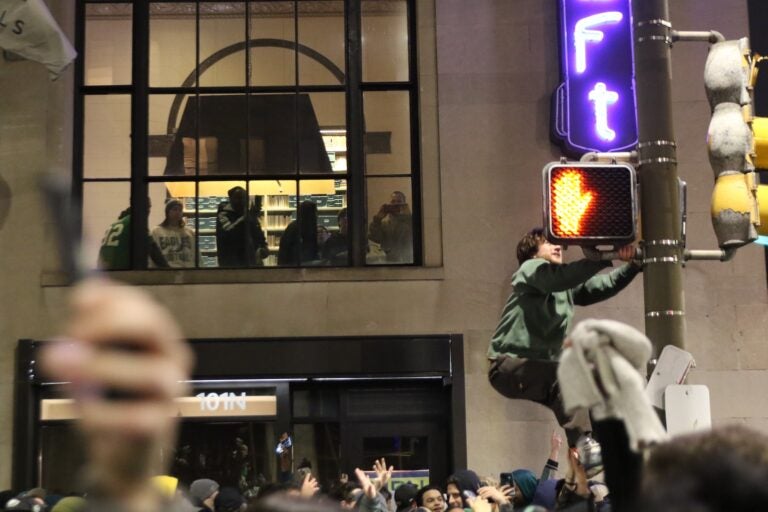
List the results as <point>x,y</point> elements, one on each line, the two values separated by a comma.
<point>271,275</point>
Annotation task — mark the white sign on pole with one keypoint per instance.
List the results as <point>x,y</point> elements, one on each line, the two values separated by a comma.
<point>687,409</point>
<point>672,368</point>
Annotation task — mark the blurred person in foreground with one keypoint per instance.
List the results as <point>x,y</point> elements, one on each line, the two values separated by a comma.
<point>723,469</point>
<point>119,341</point>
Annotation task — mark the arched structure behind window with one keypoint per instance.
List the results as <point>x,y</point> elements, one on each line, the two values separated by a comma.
<point>241,46</point>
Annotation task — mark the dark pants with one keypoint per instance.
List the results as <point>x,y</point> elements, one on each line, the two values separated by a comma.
<point>534,380</point>
<point>623,467</point>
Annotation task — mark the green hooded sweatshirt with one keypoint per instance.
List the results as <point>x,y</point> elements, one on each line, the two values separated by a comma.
<point>539,311</point>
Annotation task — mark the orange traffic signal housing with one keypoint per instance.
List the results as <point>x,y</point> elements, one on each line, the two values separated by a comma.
<point>589,203</point>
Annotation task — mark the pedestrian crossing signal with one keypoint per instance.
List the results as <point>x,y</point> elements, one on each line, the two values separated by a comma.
<point>589,203</point>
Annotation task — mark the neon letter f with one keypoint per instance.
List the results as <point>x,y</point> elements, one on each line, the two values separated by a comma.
<point>583,33</point>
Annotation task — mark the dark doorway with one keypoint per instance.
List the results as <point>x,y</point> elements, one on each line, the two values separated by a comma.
<point>411,446</point>
<point>346,401</point>
<point>233,453</point>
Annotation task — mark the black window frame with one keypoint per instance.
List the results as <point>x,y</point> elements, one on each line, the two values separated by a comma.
<point>353,87</point>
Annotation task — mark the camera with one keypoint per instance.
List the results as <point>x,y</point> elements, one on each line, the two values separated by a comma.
<point>390,208</point>
<point>283,445</point>
<point>590,455</point>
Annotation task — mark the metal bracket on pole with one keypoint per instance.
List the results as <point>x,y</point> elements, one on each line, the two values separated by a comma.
<point>666,26</point>
<point>712,36</point>
<point>654,151</point>
<point>651,143</point>
<point>709,254</point>
<point>645,39</point>
<point>657,22</point>
<point>664,242</point>
<point>688,254</point>
<point>619,156</point>
<point>657,160</point>
<point>662,259</point>
<point>663,313</point>
<point>595,254</point>
<point>656,147</point>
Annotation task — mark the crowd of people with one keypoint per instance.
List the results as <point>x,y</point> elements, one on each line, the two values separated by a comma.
<point>240,239</point>
<point>373,491</point>
<point>598,370</point>
<point>721,470</point>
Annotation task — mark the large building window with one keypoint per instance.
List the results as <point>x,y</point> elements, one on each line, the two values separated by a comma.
<point>248,134</point>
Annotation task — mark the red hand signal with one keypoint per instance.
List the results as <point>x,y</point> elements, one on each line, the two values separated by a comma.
<point>569,202</point>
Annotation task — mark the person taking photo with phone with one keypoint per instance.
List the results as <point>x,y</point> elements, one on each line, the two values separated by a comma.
<point>392,229</point>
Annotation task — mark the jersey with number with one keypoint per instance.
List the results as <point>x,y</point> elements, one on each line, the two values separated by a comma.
<point>115,251</point>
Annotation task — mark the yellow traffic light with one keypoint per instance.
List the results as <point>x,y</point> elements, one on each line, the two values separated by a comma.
<point>733,209</point>
<point>760,137</point>
<point>728,73</point>
<point>760,155</point>
<point>589,203</point>
<point>762,199</point>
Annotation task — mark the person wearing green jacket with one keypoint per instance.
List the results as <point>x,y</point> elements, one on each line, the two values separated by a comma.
<point>525,347</point>
<point>115,250</point>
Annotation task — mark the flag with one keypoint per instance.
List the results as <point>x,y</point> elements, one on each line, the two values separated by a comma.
<point>28,29</point>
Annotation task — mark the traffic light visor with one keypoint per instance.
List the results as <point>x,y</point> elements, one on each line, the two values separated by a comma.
<point>589,203</point>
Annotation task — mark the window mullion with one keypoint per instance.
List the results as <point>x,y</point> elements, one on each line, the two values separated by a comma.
<point>413,71</point>
<point>139,136</point>
<point>355,128</point>
<point>79,116</point>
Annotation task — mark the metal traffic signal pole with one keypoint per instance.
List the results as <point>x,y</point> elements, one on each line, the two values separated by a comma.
<point>660,201</point>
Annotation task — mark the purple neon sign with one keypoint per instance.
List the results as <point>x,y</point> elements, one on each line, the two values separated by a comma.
<point>595,107</point>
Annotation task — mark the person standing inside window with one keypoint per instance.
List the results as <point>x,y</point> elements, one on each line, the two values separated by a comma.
<point>115,250</point>
<point>175,239</point>
<point>335,250</point>
<point>239,238</point>
<point>392,229</point>
<point>299,241</point>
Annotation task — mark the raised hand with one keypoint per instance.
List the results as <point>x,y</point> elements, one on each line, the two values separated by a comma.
<point>480,505</point>
<point>555,443</point>
<point>309,487</point>
<point>494,494</point>
<point>627,253</point>
<point>577,477</point>
<point>509,491</point>
<point>365,483</point>
<point>120,340</point>
<point>383,475</point>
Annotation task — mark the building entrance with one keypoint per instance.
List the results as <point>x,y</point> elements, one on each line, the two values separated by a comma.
<point>342,409</point>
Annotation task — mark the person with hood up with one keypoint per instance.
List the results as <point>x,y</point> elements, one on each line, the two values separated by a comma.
<point>240,240</point>
<point>204,492</point>
<point>525,487</point>
<point>229,499</point>
<point>460,485</point>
